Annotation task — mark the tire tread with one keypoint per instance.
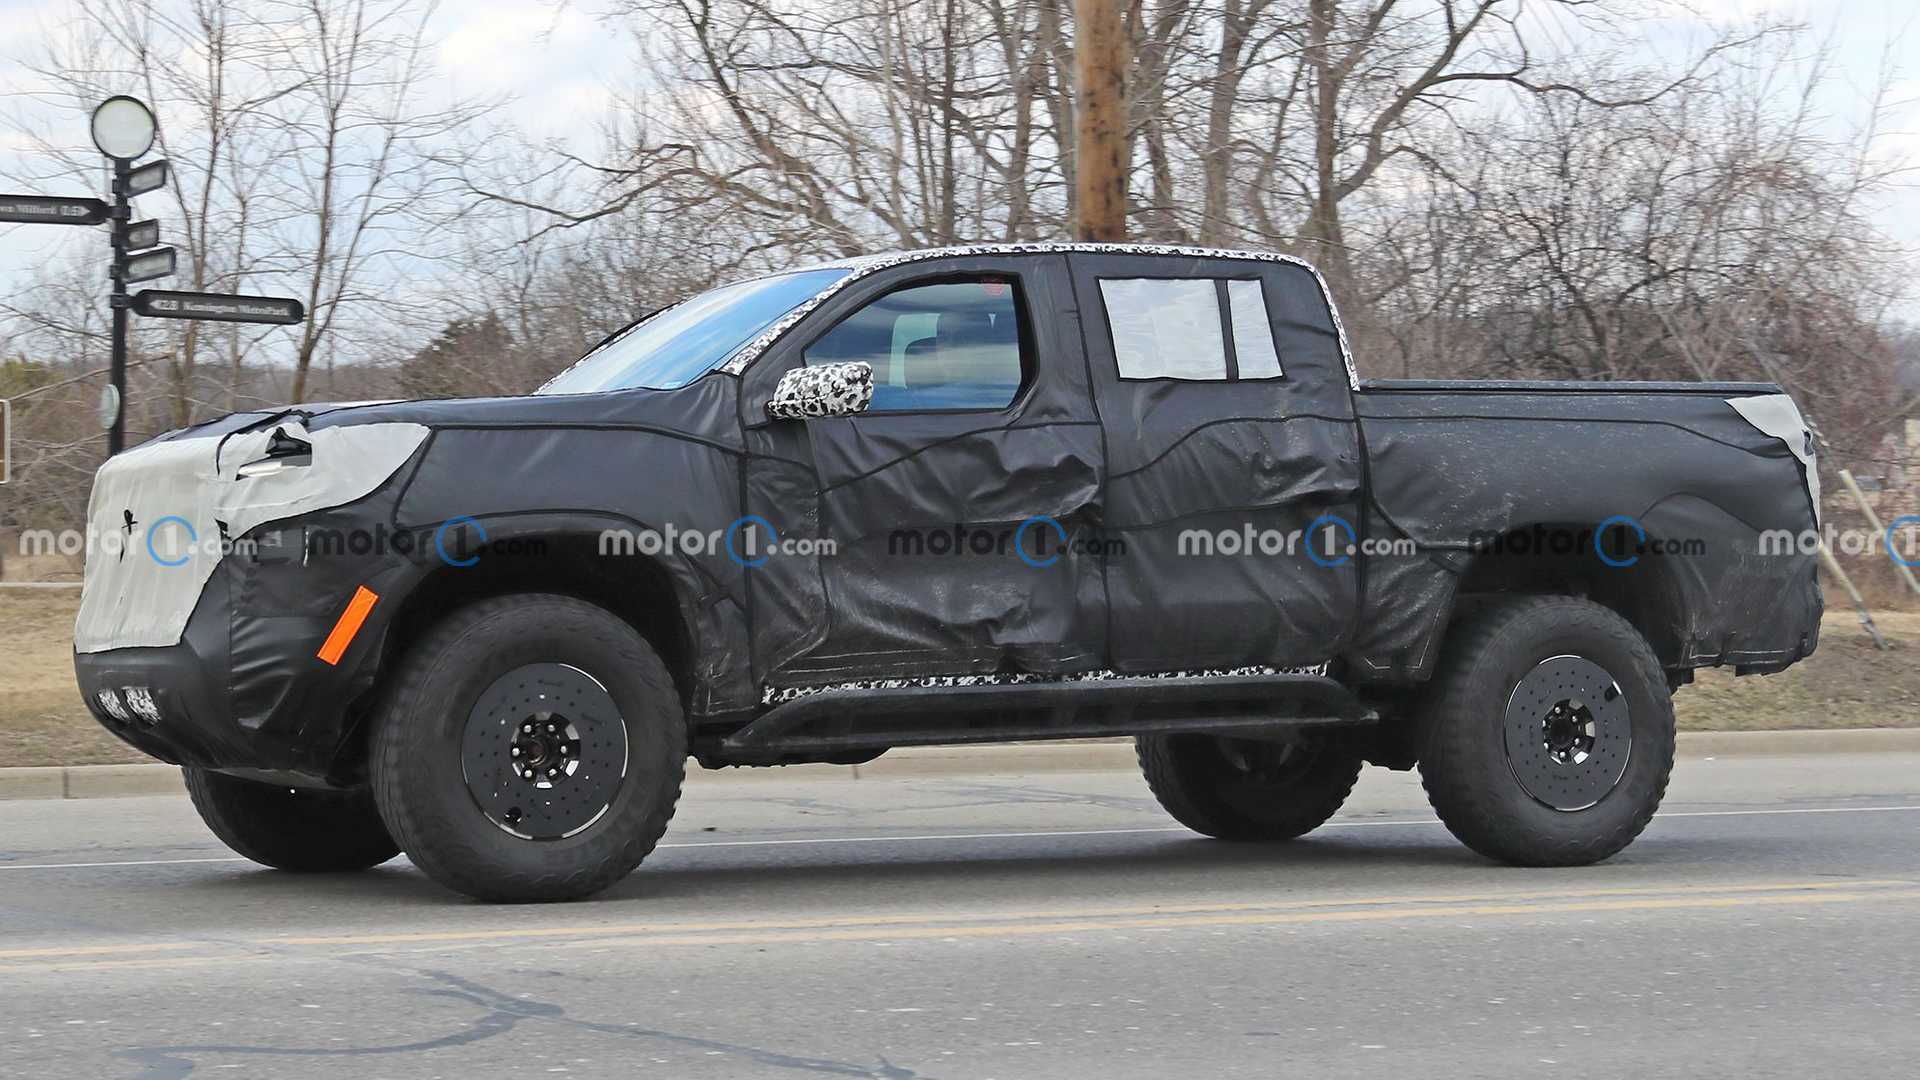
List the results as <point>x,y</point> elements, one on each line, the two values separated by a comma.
<point>311,832</point>
<point>434,836</point>
<point>1168,765</point>
<point>1476,812</point>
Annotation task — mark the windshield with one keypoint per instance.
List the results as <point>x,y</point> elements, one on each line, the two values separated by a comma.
<point>684,342</point>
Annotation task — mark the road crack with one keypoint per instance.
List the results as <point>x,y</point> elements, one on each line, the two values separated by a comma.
<point>502,1012</point>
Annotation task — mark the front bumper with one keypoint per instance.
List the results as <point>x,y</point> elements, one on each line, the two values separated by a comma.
<point>245,689</point>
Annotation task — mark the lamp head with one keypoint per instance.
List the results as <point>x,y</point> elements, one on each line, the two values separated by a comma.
<point>123,127</point>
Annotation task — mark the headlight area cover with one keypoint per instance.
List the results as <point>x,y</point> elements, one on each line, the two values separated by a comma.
<point>140,589</point>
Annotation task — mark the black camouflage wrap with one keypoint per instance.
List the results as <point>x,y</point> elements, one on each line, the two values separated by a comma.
<point>1450,462</point>
<point>1121,467</point>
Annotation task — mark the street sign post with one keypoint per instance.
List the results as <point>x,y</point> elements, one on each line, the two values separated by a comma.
<point>148,265</point>
<point>6,440</point>
<point>143,234</point>
<point>42,210</point>
<point>149,177</point>
<point>218,307</point>
<point>124,129</point>
<point>117,364</point>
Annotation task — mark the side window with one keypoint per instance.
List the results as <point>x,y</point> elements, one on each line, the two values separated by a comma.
<point>1210,329</point>
<point>950,345</point>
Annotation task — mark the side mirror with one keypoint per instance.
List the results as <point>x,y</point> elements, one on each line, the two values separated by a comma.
<point>810,393</point>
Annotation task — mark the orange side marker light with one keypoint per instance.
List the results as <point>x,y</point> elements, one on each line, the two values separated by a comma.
<point>351,620</point>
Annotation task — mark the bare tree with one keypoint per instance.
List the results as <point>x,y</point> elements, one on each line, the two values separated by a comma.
<point>206,65</point>
<point>892,123</point>
<point>1487,199</point>
<point>358,133</point>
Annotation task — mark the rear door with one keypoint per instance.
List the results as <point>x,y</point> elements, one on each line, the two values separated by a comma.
<point>1232,509</point>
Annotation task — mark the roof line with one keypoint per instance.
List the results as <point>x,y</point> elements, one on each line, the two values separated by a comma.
<point>863,265</point>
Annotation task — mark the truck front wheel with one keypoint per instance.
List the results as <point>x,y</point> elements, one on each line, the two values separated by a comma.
<point>1248,789</point>
<point>530,748</point>
<point>298,829</point>
<point>1549,737</point>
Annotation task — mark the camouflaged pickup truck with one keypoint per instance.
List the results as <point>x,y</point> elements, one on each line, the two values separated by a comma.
<point>984,494</point>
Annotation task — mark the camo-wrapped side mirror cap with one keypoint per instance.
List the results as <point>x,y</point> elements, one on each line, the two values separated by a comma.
<point>811,393</point>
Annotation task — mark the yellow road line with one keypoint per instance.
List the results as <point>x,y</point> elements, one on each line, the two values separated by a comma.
<point>1255,919</point>
<point>1049,920</point>
<point>1801,896</point>
<point>95,950</point>
<point>622,929</point>
<point>168,963</point>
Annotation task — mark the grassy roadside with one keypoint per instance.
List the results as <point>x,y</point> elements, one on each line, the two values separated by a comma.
<point>1846,684</point>
<point>41,719</point>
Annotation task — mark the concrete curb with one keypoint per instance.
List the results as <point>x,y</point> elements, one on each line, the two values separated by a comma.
<point>1698,744</point>
<point>1102,755</point>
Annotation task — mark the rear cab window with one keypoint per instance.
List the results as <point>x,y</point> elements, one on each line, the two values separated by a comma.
<point>1194,329</point>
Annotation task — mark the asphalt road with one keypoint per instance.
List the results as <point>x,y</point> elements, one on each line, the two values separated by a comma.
<point>1014,927</point>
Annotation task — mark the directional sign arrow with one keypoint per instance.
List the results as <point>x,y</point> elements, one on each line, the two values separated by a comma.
<point>143,234</point>
<point>218,307</point>
<point>148,265</point>
<point>41,210</point>
<point>149,177</point>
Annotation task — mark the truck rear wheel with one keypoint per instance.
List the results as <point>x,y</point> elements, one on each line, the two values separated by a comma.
<point>1248,789</point>
<point>298,829</point>
<point>531,748</point>
<point>1549,737</point>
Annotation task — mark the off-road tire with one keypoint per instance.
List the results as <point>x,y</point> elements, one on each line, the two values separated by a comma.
<point>1204,781</point>
<point>304,830</point>
<point>419,781</point>
<point>1464,762</point>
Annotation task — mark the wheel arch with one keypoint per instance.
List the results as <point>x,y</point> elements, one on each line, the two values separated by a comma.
<point>640,589</point>
<point>561,556</point>
<point>1646,593</point>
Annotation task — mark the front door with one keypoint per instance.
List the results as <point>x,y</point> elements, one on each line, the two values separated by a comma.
<point>956,508</point>
<point>1233,465</point>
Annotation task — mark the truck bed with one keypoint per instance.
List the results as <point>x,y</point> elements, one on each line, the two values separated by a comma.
<point>1712,472</point>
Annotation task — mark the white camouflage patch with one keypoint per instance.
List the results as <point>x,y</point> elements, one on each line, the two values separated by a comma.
<point>779,695</point>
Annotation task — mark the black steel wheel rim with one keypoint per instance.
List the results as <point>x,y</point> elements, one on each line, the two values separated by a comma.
<point>1259,771</point>
<point>545,751</point>
<point>1568,732</point>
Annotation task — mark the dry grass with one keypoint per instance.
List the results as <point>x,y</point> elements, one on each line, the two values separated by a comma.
<point>1847,683</point>
<point>41,719</point>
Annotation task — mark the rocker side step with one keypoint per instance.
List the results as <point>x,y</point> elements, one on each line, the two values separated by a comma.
<point>838,720</point>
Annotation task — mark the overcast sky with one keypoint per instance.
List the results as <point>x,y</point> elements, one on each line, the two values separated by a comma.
<point>560,64</point>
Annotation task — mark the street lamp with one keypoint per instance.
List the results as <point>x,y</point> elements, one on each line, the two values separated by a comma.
<point>123,128</point>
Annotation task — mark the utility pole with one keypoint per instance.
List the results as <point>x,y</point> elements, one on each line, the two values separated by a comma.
<point>1102,53</point>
